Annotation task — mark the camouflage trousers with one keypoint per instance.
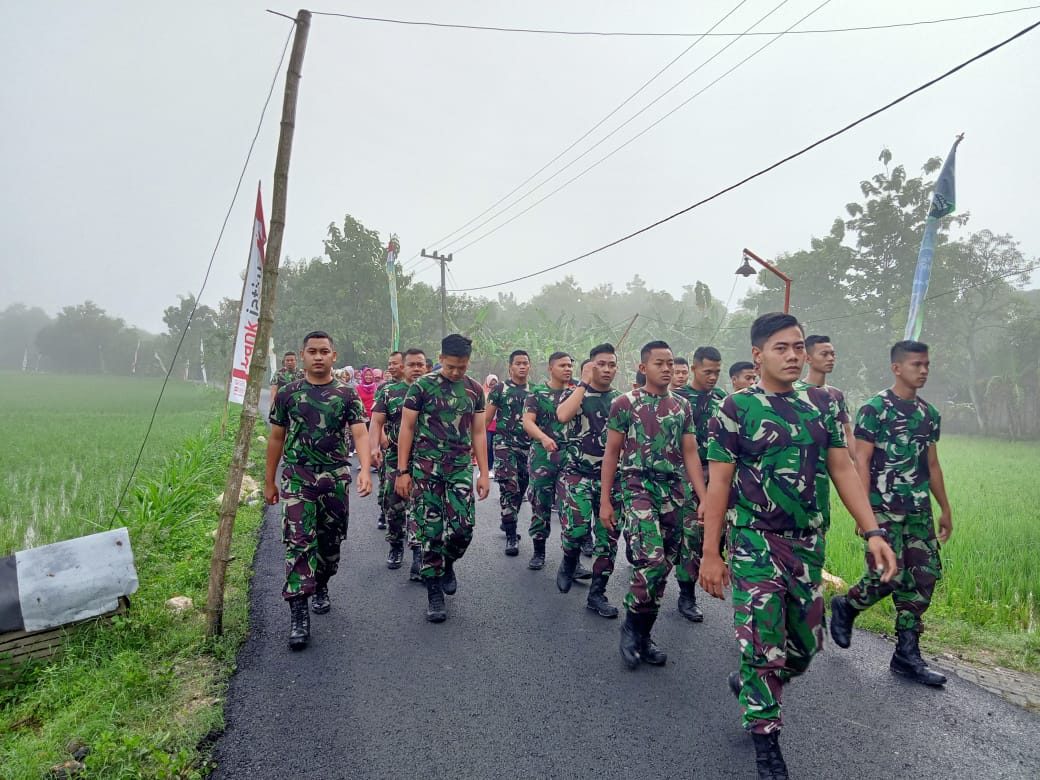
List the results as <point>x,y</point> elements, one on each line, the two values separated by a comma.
<point>315,514</point>
<point>917,552</point>
<point>777,615</point>
<point>578,508</point>
<point>512,477</point>
<point>652,513</point>
<point>444,513</point>
<point>400,523</point>
<point>692,548</point>
<point>545,472</point>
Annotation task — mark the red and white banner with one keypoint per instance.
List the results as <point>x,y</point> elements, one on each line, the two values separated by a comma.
<point>249,314</point>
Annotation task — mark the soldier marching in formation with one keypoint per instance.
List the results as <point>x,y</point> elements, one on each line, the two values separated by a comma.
<point>637,465</point>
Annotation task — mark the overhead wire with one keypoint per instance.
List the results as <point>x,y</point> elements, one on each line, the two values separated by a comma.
<point>633,34</point>
<point>590,131</point>
<point>620,127</point>
<point>638,135</point>
<point>205,279</point>
<point>762,171</point>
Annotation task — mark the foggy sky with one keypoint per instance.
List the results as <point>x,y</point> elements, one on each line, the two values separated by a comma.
<point>126,125</point>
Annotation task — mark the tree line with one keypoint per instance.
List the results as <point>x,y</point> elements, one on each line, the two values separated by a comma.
<point>851,283</point>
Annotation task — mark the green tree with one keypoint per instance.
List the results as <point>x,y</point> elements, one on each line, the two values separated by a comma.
<point>19,325</point>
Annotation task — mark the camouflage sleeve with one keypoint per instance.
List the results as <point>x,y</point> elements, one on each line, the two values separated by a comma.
<point>478,398</point>
<point>689,426</point>
<point>380,403</point>
<point>724,433</point>
<point>835,427</point>
<point>868,421</point>
<point>620,418</point>
<point>495,396</point>
<point>843,408</point>
<point>354,408</point>
<point>380,394</point>
<point>416,397</point>
<point>936,424</point>
<point>280,410</point>
<point>531,403</point>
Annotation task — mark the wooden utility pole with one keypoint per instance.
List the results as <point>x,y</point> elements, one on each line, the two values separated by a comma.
<point>258,365</point>
<point>442,259</point>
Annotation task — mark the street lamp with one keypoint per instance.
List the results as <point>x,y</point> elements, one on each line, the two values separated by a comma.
<point>746,270</point>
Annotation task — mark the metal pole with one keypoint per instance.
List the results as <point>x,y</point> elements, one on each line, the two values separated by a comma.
<point>258,365</point>
<point>775,270</point>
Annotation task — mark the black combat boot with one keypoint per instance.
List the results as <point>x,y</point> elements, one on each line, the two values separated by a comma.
<point>413,573</point>
<point>538,559</point>
<point>733,681</point>
<point>512,544</point>
<point>581,573</point>
<point>396,557</point>
<point>587,546</point>
<point>435,612</point>
<point>321,603</point>
<point>300,623</point>
<point>907,660</point>
<point>449,583</point>
<point>381,523</point>
<point>843,615</point>
<point>565,574</point>
<point>688,602</point>
<point>648,651</point>
<point>597,600</point>
<point>631,640</point>
<point>768,758</point>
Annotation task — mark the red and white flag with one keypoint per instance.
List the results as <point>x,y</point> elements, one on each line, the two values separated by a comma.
<point>249,314</point>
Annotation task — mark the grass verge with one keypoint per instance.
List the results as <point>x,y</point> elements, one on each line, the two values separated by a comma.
<point>143,691</point>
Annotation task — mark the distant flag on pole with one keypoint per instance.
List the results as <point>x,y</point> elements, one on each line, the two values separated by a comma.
<point>249,313</point>
<point>393,249</point>
<point>943,204</point>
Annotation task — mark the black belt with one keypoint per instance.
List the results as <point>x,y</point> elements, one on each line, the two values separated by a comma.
<point>660,476</point>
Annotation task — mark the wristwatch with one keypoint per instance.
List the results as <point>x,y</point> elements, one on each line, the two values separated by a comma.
<point>877,532</point>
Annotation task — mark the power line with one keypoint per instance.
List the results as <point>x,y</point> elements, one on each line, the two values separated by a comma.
<point>627,34</point>
<point>641,133</point>
<point>765,170</point>
<point>205,279</point>
<point>588,132</point>
<point>622,126</point>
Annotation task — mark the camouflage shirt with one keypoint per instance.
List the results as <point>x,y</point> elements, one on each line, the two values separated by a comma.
<point>587,432</point>
<point>508,399</point>
<point>704,404</point>
<point>653,427</point>
<point>317,418</point>
<point>389,402</point>
<point>844,418</point>
<point>779,443</point>
<point>284,376</point>
<point>542,401</point>
<point>901,432</point>
<point>442,432</point>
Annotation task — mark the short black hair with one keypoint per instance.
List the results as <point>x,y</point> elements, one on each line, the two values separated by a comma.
<point>681,361</point>
<point>397,352</point>
<point>649,347</point>
<point>429,363</point>
<point>606,348</point>
<point>557,356</point>
<point>812,341</point>
<point>706,353</point>
<point>585,362</point>
<point>903,348</point>
<point>290,352</point>
<point>317,334</point>
<point>518,353</point>
<point>740,367</point>
<point>413,351</point>
<point>456,345</point>
<point>768,324</point>
<point>640,379</point>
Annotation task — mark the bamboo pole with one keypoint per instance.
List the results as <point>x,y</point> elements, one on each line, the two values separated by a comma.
<point>258,366</point>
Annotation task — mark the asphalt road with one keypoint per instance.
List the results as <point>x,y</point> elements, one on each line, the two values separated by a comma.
<point>524,682</point>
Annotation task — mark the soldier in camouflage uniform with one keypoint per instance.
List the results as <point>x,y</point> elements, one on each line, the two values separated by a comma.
<point>309,419</point>
<point>771,449</point>
<point>897,434</point>
<point>385,427</point>
<point>289,372</point>
<point>742,374</point>
<point>547,449</point>
<point>512,444</point>
<point>394,373</point>
<point>650,438</point>
<point>821,357</point>
<point>585,410</point>
<point>704,396</point>
<point>442,424</point>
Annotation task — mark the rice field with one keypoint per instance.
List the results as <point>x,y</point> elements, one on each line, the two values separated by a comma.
<point>71,441</point>
<point>991,565</point>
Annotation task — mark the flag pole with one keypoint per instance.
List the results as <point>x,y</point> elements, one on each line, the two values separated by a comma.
<point>258,367</point>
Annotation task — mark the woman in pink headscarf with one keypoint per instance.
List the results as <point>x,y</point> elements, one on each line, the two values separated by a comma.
<point>366,388</point>
<point>489,384</point>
